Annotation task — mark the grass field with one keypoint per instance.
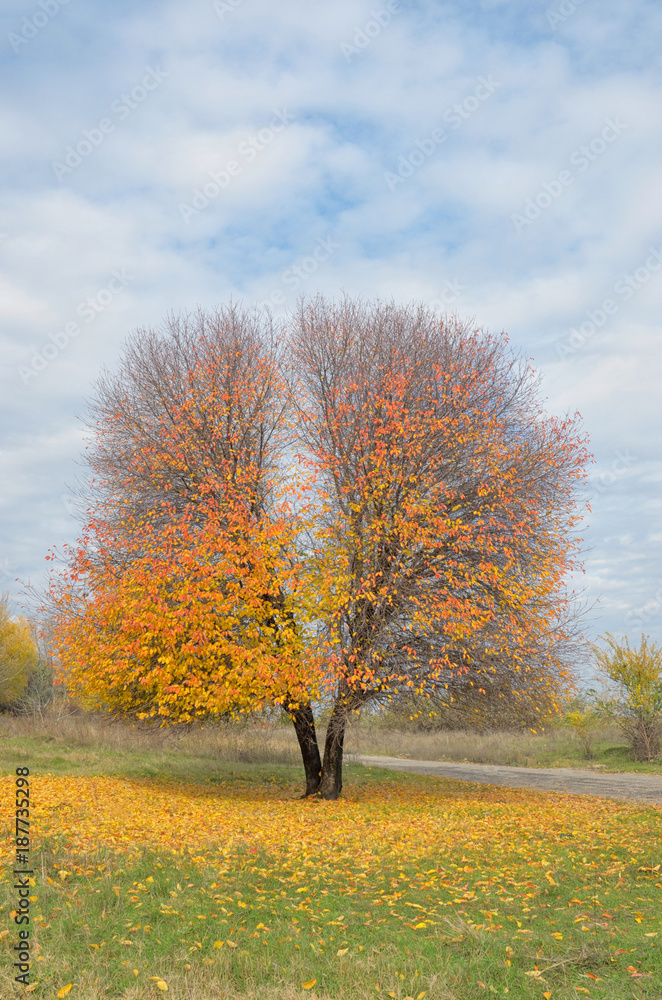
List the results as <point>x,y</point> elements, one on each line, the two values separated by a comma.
<point>160,867</point>
<point>85,740</point>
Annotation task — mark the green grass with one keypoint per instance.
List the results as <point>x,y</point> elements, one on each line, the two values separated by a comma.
<point>480,937</point>
<point>150,923</point>
<point>548,748</point>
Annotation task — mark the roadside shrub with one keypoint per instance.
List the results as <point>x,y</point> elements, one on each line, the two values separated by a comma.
<point>634,676</point>
<point>584,716</point>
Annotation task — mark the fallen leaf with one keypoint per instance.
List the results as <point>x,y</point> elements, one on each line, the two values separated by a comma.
<point>309,985</point>
<point>342,951</point>
<point>65,989</point>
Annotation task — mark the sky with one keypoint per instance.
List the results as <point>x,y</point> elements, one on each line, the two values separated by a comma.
<point>496,160</point>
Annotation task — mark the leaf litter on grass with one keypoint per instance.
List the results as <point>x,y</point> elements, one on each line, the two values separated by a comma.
<point>485,874</point>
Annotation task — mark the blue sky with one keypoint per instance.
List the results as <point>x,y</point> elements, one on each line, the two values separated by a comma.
<point>496,159</point>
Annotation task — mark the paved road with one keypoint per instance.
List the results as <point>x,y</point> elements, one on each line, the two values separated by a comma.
<point>577,781</point>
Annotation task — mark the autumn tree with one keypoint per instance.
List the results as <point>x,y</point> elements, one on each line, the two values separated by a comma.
<point>18,655</point>
<point>179,602</point>
<point>366,504</point>
<point>446,504</point>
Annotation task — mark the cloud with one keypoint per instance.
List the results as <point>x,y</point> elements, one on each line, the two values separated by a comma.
<point>446,234</point>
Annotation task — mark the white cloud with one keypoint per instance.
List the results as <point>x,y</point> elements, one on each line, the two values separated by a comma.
<point>322,177</point>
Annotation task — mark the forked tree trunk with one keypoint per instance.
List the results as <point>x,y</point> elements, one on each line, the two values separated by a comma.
<point>304,727</point>
<point>330,785</point>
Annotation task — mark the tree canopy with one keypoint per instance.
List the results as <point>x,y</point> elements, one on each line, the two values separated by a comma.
<point>365,502</point>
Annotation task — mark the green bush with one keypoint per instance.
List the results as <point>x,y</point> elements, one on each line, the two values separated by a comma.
<point>584,716</point>
<point>18,656</point>
<point>635,678</point>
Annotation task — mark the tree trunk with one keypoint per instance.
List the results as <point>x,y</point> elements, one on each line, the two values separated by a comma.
<point>330,785</point>
<point>304,727</point>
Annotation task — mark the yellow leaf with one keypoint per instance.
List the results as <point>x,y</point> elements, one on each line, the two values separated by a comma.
<point>231,944</point>
<point>309,985</point>
<point>651,934</point>
<point>63,992</point>
<point>342,951</point>
<point>558,936</point>
<point>547,996</point>
<point>161,985</point>
<point>218,944</point>
<point>417,927</point>
<point>31,989</point>
<point>421,995</point>
<point>549,878</point>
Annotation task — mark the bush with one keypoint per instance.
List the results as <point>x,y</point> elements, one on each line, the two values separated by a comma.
<point>18,656</point>
<point>39,692</point>
<point>583,716</point>
<point>635,675</point>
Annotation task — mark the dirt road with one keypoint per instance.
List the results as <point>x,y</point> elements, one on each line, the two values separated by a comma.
<point>578,781</point>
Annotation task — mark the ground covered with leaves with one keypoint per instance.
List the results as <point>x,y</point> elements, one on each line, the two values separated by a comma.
<point>407,887</point>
